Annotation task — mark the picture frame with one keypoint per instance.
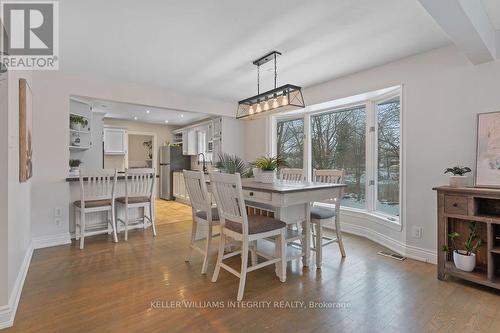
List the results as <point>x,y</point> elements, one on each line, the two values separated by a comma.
<point>25,131</point>
<point>488,150</point>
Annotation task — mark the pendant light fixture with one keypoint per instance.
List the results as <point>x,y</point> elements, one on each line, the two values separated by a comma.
<point>286,95</point>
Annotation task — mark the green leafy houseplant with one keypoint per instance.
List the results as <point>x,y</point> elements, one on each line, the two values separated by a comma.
<point>465,259</point>
<point>74,163</point>
<point>78,120</point>
<point>268,163</point>
<point>457,170</point>
<point>231,164</point>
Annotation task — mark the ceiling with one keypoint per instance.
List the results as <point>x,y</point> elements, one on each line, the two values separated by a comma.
<point>143,113</point>
<point>205,48</point>
<point>493,10</point>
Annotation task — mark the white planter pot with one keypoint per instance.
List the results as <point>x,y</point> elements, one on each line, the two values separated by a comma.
<point>76,126</point>
<point>74,171</point>
<point>460,181</point>
<point>267,176</point>
<point>464,262</point>
<point>256,174</point>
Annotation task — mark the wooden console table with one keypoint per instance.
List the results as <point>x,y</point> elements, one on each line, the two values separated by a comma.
<point>456,208</point>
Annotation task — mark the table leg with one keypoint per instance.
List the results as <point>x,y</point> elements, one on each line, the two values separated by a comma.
<point>306,245</point>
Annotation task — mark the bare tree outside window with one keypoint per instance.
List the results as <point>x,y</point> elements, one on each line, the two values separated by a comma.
<point>338,142</point>
<point>290,141</point>
<point>388,138</point>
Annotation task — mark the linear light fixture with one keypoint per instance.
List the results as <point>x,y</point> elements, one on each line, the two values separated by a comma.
<point>286,95</point>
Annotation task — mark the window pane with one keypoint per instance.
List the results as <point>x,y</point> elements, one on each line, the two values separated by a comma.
<point>388,156</point>
<point>290,141</point>
<point>338,142</point>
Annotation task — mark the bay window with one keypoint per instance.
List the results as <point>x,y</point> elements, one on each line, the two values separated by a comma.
<point>363,139</point>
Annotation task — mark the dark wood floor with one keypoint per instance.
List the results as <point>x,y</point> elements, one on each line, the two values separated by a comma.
<point>110,288</point>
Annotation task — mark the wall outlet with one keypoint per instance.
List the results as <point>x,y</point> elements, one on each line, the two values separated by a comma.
<point>58,222</point>
<point>416,232</point>
<point>58,212</point>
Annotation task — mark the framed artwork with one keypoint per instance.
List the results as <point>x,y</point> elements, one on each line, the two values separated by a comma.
<point>25,131</point>
<point>488,150</point>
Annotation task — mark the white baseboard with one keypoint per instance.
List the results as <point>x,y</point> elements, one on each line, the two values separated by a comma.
<point>8,312</point>
<point>52,240</point>
<point>412,252</point>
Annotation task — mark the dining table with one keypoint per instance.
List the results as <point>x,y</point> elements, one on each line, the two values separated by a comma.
<point>292,200</point>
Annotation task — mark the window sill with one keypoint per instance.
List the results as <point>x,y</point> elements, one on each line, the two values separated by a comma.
<point>385,220</point>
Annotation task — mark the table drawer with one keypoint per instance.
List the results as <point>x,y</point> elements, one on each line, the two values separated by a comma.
<point>257,195</point>
<point>454,204</point>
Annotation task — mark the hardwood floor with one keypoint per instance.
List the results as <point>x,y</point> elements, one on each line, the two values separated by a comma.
<point>128,287</point>
<point>171,212</point>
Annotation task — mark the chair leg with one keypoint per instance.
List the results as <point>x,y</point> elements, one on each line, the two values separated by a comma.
<point>339,235</point>
<point>277,254</point>
<point>77,224</point>
<point>109,222</point>
<point>82,229</point>
<point>126,222</point>
<point>313,232</point>
<point>207,250</point>
<point>282,245</point>
<point>222,241</point>
<point>319,244</point>
<point>243,272</point>
<point>191,242</point>
<point>253,253</point>
<point>152,217</point>
<point>113,223</point>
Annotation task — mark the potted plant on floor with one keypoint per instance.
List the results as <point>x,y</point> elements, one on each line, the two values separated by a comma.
<point>74,167</point>
<point>77,122</point>
<point>465,259</point>
<point>459,178</point>
<point>267,167</point>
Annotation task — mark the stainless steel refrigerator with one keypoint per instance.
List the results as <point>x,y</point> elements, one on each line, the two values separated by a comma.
<point>171,159</point>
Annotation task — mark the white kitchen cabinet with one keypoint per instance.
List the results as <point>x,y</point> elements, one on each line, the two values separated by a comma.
<point>192,142</point>
<point>184,142</point>
<point>115,141</point>
<point>179,188</point>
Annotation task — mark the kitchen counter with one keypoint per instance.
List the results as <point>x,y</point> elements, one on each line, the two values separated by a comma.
<point>121,176</point>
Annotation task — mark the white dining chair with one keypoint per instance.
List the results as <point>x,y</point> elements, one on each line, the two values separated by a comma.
<point>139,186</point>
<point>203,213</point>
<point>292,174</point>
<point>320,214</point>
<point>97,194</point>
<point>236,224</point>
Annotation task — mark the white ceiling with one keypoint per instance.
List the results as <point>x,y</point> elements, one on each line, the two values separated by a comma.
<point>206,47</point>
<point>493,10</point>
<point>143,113</point>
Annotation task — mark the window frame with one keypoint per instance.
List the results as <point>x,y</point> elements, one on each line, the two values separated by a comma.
<point>371,151</point>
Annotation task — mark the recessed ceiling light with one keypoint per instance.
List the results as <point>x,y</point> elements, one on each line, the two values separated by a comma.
<point>135,118</point>
<point>182,116</point>
<point>148,112</point>
<point>166,121</point>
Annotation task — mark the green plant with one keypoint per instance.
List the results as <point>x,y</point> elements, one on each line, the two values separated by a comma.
<point>231,164</point>
<point>471,244</point>
<point>149,146</point>
<point>74,163</point>
<point>269,163</point>
<point>457,170</point>
<point>74,119</point>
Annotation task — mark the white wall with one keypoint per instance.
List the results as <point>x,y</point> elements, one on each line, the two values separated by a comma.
<point>443,92</point>
<point>51,97</point>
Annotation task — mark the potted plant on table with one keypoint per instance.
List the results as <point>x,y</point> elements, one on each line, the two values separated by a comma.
<point>74,167</point>
<point>465,259</point>
<point>231,164</point>
<point>77,122</point>
<point>459,178</point>
<point>266,168</point>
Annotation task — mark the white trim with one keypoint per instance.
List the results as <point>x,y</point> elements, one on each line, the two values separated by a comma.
<point>8,312</point>
<point>409,251</point>
<point>51,240</point>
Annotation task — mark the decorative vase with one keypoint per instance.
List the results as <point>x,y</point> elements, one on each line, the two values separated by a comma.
<point>464,262</point>
<point>460,181</point>
<point>76,126</point>
<point>256,174</point>
<point>267,176</point>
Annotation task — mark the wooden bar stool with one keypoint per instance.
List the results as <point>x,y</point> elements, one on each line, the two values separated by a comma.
<point>139,186</point>
<point>97,194</point>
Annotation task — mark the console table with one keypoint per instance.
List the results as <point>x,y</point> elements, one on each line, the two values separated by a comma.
<point>458,206</point>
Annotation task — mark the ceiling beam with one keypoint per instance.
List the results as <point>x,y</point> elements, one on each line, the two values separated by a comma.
<point>468,25</point>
